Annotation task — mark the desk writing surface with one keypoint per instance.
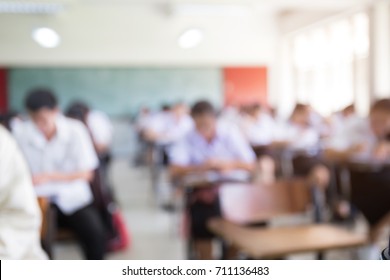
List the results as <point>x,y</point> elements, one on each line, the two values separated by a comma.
<point>281,241</point>
<point>203,179</point>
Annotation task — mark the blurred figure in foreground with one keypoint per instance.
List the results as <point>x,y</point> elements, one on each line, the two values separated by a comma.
<point>20,218</point>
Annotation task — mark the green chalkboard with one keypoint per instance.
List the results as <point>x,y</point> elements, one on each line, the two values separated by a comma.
<point>118,91</point>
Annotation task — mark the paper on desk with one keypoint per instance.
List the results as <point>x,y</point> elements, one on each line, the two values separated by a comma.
<point>47,190</point>
<point>215,177</point>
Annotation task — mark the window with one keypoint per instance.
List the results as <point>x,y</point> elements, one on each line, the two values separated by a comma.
<point>330,65</point>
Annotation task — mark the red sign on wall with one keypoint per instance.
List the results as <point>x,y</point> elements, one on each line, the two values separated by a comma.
<point>3,90</point>
<point>245,85</point>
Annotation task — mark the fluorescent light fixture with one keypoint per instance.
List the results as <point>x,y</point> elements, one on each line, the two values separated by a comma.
<point>229,10</point>
<point>190,38</point>
<point>24,7</point>
<point>46,37</point>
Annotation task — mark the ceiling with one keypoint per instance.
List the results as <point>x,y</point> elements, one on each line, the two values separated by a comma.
<point>208,6</point>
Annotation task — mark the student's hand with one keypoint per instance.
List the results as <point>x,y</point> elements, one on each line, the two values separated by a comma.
<point>357,148</point>
<point>40,179</point>
<point>382,151</point>
<point>219,165</point>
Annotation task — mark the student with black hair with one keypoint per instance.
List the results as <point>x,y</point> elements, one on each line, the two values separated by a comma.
<point>62,159</point>
<point>210,146</point>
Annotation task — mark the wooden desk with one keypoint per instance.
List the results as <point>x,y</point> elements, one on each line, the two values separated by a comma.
<point>285,156</point>
<point>282,241</point>
<point>197,181</point>
<point>366,184</point>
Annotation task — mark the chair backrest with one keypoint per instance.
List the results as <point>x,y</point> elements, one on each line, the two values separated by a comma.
<point>253,203</point>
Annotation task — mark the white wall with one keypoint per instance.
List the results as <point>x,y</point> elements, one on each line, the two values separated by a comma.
<point>380,50</point>
<point>137,35</point>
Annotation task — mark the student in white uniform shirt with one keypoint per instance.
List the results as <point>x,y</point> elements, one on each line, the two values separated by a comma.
<point>20,217</point>
<point>297,133</point>
<point>98,124</point>
<point>62,160</point>
<point>209,147</point>
<point>168,127</point>
<point>369,141</point>
<point>257,126</point>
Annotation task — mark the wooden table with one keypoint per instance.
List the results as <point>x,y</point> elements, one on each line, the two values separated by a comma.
<point>366,185</point>
<point>204,180</point>
<point>282,241</point>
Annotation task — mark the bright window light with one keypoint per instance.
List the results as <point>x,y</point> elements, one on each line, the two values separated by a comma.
<point>46,37</point>
<point>191,38</point>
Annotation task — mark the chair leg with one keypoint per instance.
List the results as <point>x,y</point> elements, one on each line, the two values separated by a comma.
<point>320,256</point>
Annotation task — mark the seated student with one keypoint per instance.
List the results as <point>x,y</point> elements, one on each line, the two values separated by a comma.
<point>297,133</point>
<point>319,123</point>
<point>98,124</point>
<point>257,126</point>
<point>168,127</point>
<point>62,160</point>
<point>210,146</point>
<point>366,140</point>
<point>367,137</point>
<point>343,120</point>
<point>20,218</point>
<point>142,119</point>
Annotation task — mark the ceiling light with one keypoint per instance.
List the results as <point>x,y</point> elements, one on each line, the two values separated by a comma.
<point>46,37</point>
<point>190,38</point>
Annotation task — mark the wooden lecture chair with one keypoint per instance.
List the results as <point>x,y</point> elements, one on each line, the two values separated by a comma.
<point>285,197</point>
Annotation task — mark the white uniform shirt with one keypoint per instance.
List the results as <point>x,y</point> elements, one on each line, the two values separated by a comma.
<point>20,218</point>
<point>228,145</point>
<point>100,126</point>
<point>71,150</point>
<point>356,132</point>
<point>300,138</point>
<point>171,128</point>
<point>258,132</point>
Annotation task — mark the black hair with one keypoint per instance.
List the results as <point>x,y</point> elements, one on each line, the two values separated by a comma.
<point>381,105</point>
<point>40,98</point>
<point>78,110</point>
<point>202,108</point>
<point>165,107</point>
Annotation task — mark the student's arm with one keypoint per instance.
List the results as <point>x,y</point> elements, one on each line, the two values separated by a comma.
<point>20,218</point>
<point>176,170</point>
<point>85,160</point>
<point>222,165</point>
<point>245,157</point>
<point>343,155</point>
<point>62,177</point>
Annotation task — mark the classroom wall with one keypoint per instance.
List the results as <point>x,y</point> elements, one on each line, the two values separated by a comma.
<point>118,91</point>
